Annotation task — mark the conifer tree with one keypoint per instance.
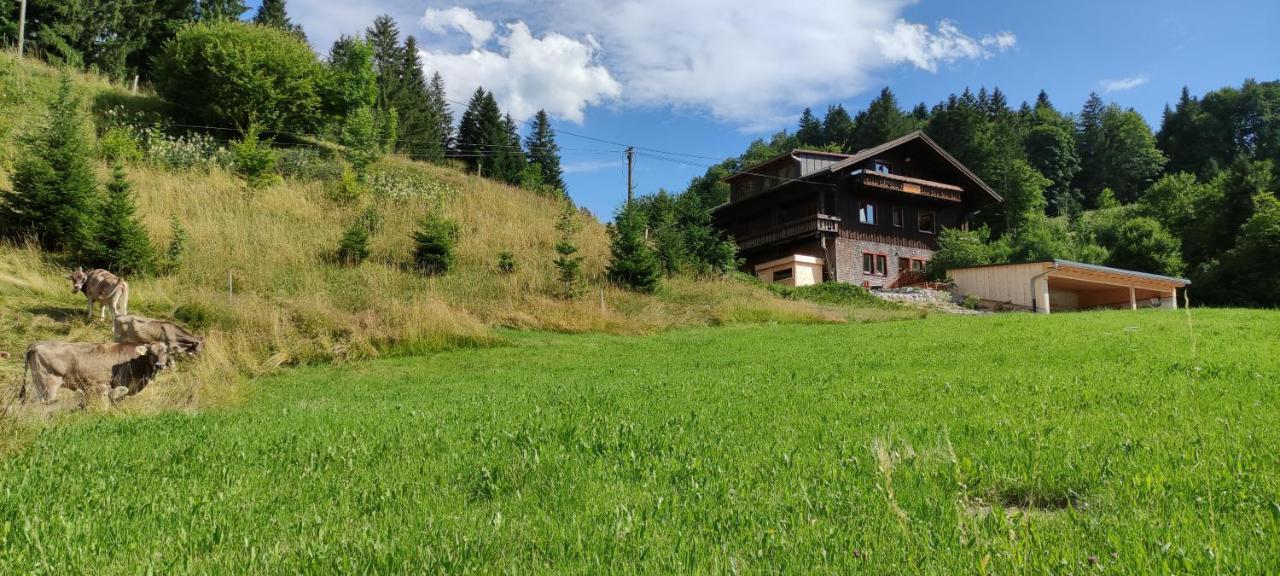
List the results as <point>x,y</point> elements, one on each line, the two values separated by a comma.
<point>388,62</point>
<point>441,112</point>
<point>632,263</point>
<point>471,131</point>
<point>568,263</point>
<point>510,157</point>
<point>837,128</point>
<point>809,133</point>
<point>272,13</point>
<point>220,9</point>
<point>54,196</point>
<point>120,243</point>
<point>1090,142</point>
<point>543,151</point>
<point>881,122</point>
<point>419,127</point>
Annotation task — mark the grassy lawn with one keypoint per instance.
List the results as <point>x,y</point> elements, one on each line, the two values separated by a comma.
<point>1107,442</point>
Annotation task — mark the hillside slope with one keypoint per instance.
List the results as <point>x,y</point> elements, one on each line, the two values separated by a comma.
<point>259,279</point>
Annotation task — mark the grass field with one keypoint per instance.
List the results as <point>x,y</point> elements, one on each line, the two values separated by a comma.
<point>1117,442</point>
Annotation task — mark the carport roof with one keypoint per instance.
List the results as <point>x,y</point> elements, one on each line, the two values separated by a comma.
<point>1068,264</point>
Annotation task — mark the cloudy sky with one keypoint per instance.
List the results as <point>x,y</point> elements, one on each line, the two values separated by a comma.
<point>703,78</point>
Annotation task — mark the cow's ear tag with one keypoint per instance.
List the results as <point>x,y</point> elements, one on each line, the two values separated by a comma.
<point>141,350</point>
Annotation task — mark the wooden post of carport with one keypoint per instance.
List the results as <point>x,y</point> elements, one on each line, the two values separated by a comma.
<point>1133,298</point>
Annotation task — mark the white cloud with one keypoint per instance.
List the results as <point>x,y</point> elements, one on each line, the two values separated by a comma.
<point>750,63</point>
<point>556,73</point>
<point>457,18</point>
<point>1123,84</point>
<point>925,49</point>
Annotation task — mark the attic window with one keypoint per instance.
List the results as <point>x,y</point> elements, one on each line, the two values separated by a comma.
<point>880,167</point>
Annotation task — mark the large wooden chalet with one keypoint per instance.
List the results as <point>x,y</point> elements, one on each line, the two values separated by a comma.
<point>870,218</point>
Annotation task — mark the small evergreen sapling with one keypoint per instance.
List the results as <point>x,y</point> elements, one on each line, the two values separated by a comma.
<point>568,263</point>
<point>506,262</point>
<point>254,160</point>
<point>120,243</point>
<point>633,263</point>
<point>434,243</point>
<point>177,249</point>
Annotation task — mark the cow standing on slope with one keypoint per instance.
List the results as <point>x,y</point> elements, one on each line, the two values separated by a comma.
<point>103,288</point>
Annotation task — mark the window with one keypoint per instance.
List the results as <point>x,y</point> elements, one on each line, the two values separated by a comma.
<point>917,265</point>
<point>881,167</point>
<point>784,274</point>
<point>875,264</point>
<point>927,223</point>
<point>867,213</point>
<point>897,217</point>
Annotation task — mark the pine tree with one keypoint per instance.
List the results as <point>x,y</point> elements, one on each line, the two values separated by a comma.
<point>353,248</point>
<point>881,122</point>
<point>388,60</point>
<point>441,111</point>
<point>54,196</point>
<point>176,251</point>
<point>471,136</point>
<point>419,126</point>
<point>511,159</point>
<point>837,128</point>
<point>568,263</point>
<point>809,133</point>
<point>220,9</point>
<point>120,243</point>
<point>1090,144</point>
<point>543,151</point>
<point>632,263</point>
<point>272,13</point>
<point>434,242</point>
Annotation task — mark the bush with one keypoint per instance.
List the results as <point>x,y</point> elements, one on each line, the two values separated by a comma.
<point>307,164</point>
<point>360,137</point>
<point>1143,244</point>
<point>183,152</point>
<point>348,188</point>
<point>434,243</point>
<point>633,263</point>
<point>120,144</point>
<point>832,293</point>
<point>506,262</point>
<point>254,160</point>
<point>962,248</point>
<point>228,73</point>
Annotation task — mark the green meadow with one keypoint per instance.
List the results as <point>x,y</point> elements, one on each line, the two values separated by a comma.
<point>1116,442</point>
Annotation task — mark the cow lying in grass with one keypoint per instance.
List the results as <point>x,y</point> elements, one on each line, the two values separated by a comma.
<point>103,288</point>
<point>142,330</point>
<point>113,369</point>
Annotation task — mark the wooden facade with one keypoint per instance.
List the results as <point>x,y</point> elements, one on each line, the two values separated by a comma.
<point>871,217</point>
<point>1062,285</point>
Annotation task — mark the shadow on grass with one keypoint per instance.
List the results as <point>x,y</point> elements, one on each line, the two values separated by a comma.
<point>58,313</point>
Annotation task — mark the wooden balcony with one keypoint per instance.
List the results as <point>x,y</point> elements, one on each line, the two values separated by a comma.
<point>795,229</point>
<point>915,186</point>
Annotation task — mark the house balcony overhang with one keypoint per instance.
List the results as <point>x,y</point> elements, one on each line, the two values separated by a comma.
<point>799,229</point>
<point>915,187</point>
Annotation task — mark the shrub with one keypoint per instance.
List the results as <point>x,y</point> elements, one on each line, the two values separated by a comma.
<point>307,164</point>
<point>633,263</point>
<point>834,293</point>
<point>254,160</point>
<point>183,152</point>
<point>506,262</point>
<point>120,144</point>
<point>434,244</point>
<point>354,246</point>
<point>348,188</point>
<point>54,195</point>
<point>1143,244</point>
<point>360,137</point>
<point>229,73</point>
<point>961,248</point>
<point>120,243</point>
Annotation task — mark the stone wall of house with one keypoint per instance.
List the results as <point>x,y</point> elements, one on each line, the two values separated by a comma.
<point>848,254</point>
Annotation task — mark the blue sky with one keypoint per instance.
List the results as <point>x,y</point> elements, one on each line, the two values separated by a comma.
<point>705,78</point>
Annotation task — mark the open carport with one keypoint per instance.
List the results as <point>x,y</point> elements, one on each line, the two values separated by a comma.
<point>1063,285</point>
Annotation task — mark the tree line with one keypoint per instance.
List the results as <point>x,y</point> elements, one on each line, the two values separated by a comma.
<point>1197,197</point>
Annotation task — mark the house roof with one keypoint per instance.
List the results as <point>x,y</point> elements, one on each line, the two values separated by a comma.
<point>863,155</point>
<point>1069,264</point>
<point>791,154</point>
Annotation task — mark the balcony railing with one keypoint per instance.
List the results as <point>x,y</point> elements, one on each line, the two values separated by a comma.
<point>798,228</point>
<point>916,186</point>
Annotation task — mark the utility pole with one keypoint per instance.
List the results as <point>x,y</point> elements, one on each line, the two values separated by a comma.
<point>22,26</point>
<point>631,159</point>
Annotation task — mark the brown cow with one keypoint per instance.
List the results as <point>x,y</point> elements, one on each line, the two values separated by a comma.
<point>143,330</point>
<point>114,369</point>
<point>103,288</point>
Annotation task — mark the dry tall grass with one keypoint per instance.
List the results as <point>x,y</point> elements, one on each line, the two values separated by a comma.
<point>259,279</point>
